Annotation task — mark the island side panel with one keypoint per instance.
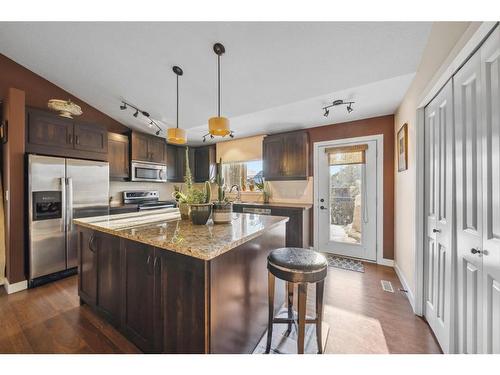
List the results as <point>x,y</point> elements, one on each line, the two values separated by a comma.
<point>183,296</point>
<point>239,294</point>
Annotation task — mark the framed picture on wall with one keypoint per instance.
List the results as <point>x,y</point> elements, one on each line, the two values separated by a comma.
<point>403,148</point>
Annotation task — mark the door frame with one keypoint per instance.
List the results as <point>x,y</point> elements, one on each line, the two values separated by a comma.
<point>379,139</point>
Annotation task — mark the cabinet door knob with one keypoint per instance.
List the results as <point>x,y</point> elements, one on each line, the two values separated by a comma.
<point>322,207</point>
<point>436,230</point>
<point>475,251</point>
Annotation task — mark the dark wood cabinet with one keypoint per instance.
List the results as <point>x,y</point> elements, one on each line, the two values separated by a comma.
<point>286,156</point>
<point>139,303</point>
<point>118,156</point>
<point>204,163</point>
<point>45,129</point>
<point>148,148</point>
<point>90,137</point>
<point>49,134</point>
<point>87,266</point>
<point>176,163</point>
<point>108,276</point>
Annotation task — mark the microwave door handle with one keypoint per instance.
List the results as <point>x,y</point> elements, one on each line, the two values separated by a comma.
<point>63,204</point>
<point>69,204</point>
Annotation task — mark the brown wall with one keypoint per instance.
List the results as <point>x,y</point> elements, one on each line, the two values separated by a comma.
<point>377,125</point>
<point>38,92</point>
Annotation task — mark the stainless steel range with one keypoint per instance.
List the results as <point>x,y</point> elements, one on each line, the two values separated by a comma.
<point>146,199</point>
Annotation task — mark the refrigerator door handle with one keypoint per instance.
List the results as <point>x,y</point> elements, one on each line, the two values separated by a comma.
<point>69,204</point>
<point>63,202</point>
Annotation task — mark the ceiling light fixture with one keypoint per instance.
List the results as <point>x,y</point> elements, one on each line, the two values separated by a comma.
<point>218,126</point>
<point>177,135</point>
<point>66,108</point>
<point>146,114</point>
<point>337,103</point>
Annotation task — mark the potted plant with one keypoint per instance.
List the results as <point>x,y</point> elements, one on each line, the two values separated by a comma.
<point>180,197</point>
<point>200,205</point>
<point>266,191</point>
<point>222,209</point>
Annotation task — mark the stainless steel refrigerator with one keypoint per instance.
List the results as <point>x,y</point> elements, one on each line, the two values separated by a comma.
<point>60,190</point>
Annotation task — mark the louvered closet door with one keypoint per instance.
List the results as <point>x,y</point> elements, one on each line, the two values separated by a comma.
<point>468,148</point>
<point>490,72</point>
<point>439,212</point>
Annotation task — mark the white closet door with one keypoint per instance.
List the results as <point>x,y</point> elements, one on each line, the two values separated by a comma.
<point>490,72</point>
<point>467,96</point>
<point>439,203</point>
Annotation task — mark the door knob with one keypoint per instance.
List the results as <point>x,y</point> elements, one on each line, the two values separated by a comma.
<point>436,230</point>
<point>475,251</point>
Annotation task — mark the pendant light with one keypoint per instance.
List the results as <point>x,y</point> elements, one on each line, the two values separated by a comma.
<point>177,135</point>
<point>218,126</point>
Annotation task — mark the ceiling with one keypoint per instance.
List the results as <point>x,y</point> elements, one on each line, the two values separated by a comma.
<point>276,76</point>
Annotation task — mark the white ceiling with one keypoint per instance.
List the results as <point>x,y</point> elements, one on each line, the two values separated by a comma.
<point>275,76</point>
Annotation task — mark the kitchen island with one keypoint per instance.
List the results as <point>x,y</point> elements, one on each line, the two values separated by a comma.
<point>173,287</point>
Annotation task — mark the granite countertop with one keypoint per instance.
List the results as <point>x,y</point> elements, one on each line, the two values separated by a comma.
<point>303,206</point>
<point>165,230</point>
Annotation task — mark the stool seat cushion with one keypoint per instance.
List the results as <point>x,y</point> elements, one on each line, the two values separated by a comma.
<point>298,259</point>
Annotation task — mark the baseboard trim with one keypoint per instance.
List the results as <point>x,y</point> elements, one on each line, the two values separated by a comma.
<point>16,287</point>
<point>386,262</point>
<point>404,283</point>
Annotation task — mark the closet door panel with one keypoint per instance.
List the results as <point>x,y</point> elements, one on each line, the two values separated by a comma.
<point>468,148</point>
<point>490,72</point>
<point>439,187</point>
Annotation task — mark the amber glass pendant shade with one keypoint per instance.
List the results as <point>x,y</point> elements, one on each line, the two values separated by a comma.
<point>176,136</point>
<point>218,126</point>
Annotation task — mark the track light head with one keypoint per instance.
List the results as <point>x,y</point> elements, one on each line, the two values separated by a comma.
<point>136,113</point>
<point>349,108</point>
<point>144,113</point>
<point>157,132</point>
<point>327,112</point>
<point>123,106</point>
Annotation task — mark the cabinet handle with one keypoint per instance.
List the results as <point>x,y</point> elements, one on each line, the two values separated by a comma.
<point>70,138</point>
<point>475,251</point>
<point>77,140</point>
<point>148,263</point>
<point>91,242</point>
<point>155,262</point>
<point>436,230</point>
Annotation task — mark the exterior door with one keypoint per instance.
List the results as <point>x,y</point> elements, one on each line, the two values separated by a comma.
<point>469,203</point>
<point>439,255</point>
<point>347,201</point>
<point>490,74</point>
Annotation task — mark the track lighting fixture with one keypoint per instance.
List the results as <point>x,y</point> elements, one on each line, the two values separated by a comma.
<point>337,103</point>
<point>144,113</point>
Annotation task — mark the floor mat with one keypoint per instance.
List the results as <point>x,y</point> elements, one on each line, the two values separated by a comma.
<point>283,344</point>
<point>345,263</point>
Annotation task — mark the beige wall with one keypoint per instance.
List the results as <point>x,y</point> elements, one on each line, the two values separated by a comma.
<point>445,41</point>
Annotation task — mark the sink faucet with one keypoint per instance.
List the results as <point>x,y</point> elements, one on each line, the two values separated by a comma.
<point>238,192</point>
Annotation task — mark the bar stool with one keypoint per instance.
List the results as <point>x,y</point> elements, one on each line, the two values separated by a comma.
<point>297,266</point>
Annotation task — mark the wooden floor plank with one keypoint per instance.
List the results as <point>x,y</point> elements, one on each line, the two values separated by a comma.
<point>362,318</point>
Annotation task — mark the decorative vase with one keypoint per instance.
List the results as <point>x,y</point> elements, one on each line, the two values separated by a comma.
<point>184,210</point>
<point>200,213</point>
<point>222,212</point>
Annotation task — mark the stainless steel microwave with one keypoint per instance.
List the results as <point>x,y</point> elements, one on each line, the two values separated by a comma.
<point>151,172</point>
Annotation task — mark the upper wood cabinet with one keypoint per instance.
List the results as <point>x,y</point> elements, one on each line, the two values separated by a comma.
<point>286,156</point>
<point>50,134</point>
<point>146,147</point>
<point>176,163</point>
<point>204,163</point>
<point>118,156</point>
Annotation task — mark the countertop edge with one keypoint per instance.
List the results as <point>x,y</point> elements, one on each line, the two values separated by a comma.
<point>233,245</point>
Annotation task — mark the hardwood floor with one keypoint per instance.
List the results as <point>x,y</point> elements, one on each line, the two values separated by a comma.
<point>362,318</point>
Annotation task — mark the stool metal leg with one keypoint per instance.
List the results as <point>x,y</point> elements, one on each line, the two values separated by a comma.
<point>270,285</point>
<point>289,287</point>
<point>319,314</point>
<point>302,317</point>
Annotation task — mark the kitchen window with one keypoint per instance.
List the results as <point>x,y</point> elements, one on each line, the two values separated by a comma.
<point>246,174</point>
